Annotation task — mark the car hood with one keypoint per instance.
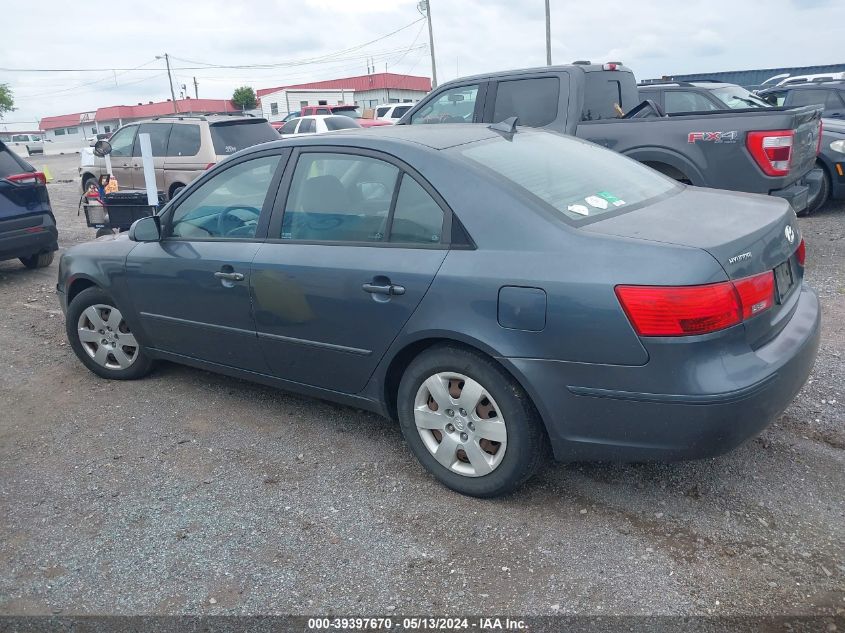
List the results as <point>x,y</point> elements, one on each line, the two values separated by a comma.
<point>746,233</point>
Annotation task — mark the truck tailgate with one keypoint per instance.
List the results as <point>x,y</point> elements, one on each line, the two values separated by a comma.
<point>806,140</point>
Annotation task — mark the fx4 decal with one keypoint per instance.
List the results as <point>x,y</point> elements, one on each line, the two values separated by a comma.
<point>714,137</point>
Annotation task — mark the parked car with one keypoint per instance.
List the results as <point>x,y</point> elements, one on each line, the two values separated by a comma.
<point>317,124</point>
<point>832,160</point>
<point>760,150</point>
<point>392,112</point>
<point>699,96</point>
<point>829,95</point>
<point>27,225</point>
<point>344,110</point>
<point>33,143</point>
<point>537,289</point>
<point>184,146</point>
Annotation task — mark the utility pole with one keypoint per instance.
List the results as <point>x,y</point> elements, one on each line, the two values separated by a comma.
<point>196,89</point>
<point>548,35</point>
<point>170,80</point>
<point>424,7</point>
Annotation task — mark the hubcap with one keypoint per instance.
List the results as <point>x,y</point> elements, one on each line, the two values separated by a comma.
<point>106,338</point>
<point>460,424</point>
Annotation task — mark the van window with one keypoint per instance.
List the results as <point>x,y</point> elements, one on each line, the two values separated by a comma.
<point>122,141</point>
<point>533,101</point>
<point>159,133</point>
<point>184,140</point>
<point>231,136</point>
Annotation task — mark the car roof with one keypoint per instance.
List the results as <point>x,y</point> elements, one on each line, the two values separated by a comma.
<point>435,137</point>
<point>836,84</point>
<point>685,84</point>
<point>538,69</point>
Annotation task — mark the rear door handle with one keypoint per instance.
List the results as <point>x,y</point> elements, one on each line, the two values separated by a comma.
<point>229,276</point>
<point>389,289</point>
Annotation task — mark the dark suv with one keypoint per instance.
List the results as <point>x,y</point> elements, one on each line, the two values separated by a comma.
<point>829,94</point>
<point>699,96</point>
<point>27,226</point>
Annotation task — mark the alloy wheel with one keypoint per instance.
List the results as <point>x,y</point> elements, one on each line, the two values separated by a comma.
<point>106,338</point>
<point>460,424</point>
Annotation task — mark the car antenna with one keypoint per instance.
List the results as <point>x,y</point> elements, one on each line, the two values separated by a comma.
<point>506,127</point>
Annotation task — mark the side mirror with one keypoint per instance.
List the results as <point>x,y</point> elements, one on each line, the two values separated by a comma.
<point>146,229</point>
<point>102,148</point>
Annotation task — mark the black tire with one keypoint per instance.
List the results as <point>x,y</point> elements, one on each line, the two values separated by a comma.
<point>174,190</point>
<point>39,260</point>
<point>104,231</point>
<point>87,182</point>
<point>821,198</point>
<point>526,437</point>
<point>142,364</point>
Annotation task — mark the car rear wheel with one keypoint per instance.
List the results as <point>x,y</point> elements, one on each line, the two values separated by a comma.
<point>39,260</point>
<point>87,182</point>
<point>821,197</point>
<point>469,423</point>
<point>101,338</point>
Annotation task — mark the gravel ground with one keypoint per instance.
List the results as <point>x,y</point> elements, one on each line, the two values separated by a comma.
<point>193,493</point>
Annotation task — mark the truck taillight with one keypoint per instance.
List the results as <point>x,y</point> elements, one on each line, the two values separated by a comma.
<point>28,178</point>
<point>772,150</point>
<point>610,66</point>
<point>692,310</point>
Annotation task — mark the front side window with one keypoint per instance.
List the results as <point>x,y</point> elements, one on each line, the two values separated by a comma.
<point>456,105</point>
<point>159,134</point>
<point>686,101</point>
<point>307,126</point>
<point>228,205</point>
<point>578,180</point>
<point>380,112</point>
<point>122,142</point>
<point>184,140</point>
<point>399,111</point>
<point>532,101</point>
<point>339,198</point>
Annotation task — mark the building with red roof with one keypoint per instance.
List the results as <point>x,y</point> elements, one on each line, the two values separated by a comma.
<point>362,90</point>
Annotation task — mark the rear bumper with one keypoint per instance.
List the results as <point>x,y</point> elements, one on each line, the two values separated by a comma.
<point>22,237</point>
<point>799,194</point>
<point>602,412</point>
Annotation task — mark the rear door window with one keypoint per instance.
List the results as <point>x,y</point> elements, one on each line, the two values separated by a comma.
<point>533,101</point>
<point>601,97</point>
<point>230,137</point>
<point>807,97</point>
<point>399,111</point>
<point>455,105</point>
<point>687,101</point>
<point>184,140</point>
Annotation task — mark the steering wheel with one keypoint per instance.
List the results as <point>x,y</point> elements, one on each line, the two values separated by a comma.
<point>227,226</point>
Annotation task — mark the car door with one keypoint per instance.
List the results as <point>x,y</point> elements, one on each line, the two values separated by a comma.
<point>159,135</point>
<point>355,241</point>
<point>191,288</point>
<point>122,143</point>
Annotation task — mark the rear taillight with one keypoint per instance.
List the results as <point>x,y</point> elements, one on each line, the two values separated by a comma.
<point>28,178</point>
<point>691,310</point>
<point>772,150</point>
<point>801,253</point>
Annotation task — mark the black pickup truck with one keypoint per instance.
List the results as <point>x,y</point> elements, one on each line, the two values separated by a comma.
<point>758,150</point>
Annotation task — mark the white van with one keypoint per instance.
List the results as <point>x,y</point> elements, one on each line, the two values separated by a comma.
<point>34,143</point>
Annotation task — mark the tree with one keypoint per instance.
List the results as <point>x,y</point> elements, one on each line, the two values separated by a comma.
<point>7,102</point>
<point>244,97</point>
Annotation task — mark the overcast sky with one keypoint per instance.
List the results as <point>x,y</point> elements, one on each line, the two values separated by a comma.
<point>653,37</point>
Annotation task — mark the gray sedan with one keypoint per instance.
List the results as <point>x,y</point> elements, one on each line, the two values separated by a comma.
<point>494,291</point>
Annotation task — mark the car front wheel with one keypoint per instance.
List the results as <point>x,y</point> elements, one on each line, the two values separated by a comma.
<point>469,422</point>
<point>101,338</point>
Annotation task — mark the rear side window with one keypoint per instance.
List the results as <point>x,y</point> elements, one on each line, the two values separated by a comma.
<point>687,101</point>
<point>184,140</point>
<point>229,138</point>
<point>417,218</point>
<point>601,97</point>
<point>159,133</point>
<point>10,164</point>
<point>578,180</point>
<point>834,100</point>
<point>289,127</point>
<point>340,123</point>
<point>532,101</point>
<point>807,97</point>
<point>307,126</point>
<point>399,111</point>
<point>380,112</point>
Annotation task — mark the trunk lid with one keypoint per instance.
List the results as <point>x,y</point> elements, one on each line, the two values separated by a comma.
<point>747,234</point>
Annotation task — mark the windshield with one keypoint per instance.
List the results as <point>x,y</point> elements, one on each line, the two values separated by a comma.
<point>578,180</point>
<point>352,113</point>
<point>230,137</point>
<point>737,97</point>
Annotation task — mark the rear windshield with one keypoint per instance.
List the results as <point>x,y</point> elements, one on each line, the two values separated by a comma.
<point>229,138</point>
<point>352,113</point>
<point>10,164</point>
<point>578,180</point>
<point>737,97</point>
<point>340,123</point>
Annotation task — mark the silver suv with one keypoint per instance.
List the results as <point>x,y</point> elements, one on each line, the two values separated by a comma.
<point>183,148</point>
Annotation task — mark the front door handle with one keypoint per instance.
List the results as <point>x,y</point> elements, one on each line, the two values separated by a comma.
<point>229,276</point>
<point>387,289</point>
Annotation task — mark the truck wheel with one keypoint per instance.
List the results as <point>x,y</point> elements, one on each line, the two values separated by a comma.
<point>821,198</point>
<point>469,422</point>
<point>39,260</point>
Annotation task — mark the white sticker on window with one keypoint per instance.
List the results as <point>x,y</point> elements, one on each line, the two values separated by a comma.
<point>595,201</point>
<point>578,208</point>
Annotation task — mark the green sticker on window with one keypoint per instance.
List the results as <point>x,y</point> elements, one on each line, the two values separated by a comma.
<point>615,201</point>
